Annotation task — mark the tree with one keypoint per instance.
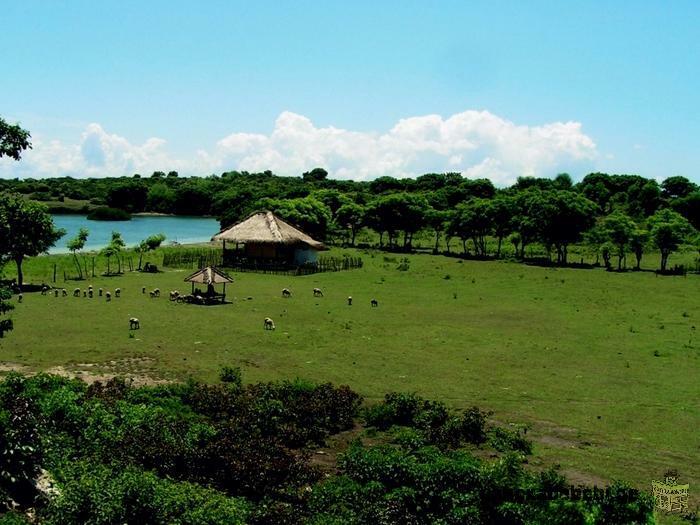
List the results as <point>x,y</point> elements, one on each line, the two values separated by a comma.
<point>149,244</point>
<point>397,212</point>
<point>437,220</point>
<point>677,187</point>
<point>689,207</point>
<point>638,241</point>
<point>308,214</point>
<point>5,307</point>
<point>473,220</point>
<point>668,229</point>
<point>352,217</point>
<point>315,175</point>
<point>114,249</point>
<point>160,198</point>
<point>619,229</point>
<point>75,245</point>
<point>563,181</point>
<point>561,218</point>
<point>333,199</point>
<point>130,196</point>
<point>26,230</point>
<point>13,140</point>
<point>502,212</point>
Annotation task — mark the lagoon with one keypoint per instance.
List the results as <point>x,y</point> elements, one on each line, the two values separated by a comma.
<point>180,229</point>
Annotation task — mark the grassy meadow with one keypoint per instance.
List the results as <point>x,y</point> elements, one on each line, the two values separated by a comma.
<point>603,367</point>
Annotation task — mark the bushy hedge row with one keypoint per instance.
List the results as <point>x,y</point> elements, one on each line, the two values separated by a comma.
<point>436,425</point>
<point>196,453</point>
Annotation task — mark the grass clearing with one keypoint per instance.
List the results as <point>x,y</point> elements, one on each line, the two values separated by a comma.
<point>604,367</point>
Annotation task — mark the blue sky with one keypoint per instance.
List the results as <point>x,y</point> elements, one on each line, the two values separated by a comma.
<point>494,89</point>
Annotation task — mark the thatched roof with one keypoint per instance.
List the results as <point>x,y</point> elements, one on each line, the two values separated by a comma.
<point>266,228</point>
<point>208,275</point>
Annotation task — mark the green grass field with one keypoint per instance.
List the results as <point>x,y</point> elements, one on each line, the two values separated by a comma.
<point>604,367</point>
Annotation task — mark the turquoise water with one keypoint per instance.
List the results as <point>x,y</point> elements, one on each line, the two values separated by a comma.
<point>180,229</point>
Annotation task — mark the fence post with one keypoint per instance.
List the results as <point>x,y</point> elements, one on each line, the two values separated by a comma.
<point>54,272</point>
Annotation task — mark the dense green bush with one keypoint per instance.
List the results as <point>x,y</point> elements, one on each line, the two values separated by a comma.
<point>193,453</point>
<point>105,213</point>
<point>432,418</point>
<point>91,494</point>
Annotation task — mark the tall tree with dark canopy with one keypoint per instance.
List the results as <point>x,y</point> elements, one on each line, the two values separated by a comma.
<point>668,230</point>
<point>26,230</point>
<point>13,140</point>
<point>619,229</point>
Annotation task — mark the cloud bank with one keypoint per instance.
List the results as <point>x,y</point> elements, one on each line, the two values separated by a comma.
<point>475,143</point>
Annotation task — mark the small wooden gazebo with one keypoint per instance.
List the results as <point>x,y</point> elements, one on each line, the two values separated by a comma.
<point>209,276</point>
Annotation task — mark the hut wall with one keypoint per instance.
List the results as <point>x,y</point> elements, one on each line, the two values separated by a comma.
<point>305,255</point>
<point>261,250</point>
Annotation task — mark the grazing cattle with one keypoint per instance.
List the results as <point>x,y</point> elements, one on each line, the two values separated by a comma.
<point>134,324</point>
<point>318,292</point>
<point>117,292</point>
<point>76,292</point>
<point>349,300</point>
<point>269,324</point>
<point>286,292</point>
<point>374,303</point>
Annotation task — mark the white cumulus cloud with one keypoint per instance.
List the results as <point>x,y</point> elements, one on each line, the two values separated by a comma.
<point>475,143</point>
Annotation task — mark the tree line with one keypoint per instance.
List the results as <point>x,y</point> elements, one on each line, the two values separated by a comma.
<point>615,215</point>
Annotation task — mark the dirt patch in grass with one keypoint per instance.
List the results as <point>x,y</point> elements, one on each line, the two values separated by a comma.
<point>134,369</point>
<point>576,477</point>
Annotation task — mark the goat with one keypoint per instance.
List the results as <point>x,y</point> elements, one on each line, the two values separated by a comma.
<point>76,292</point>
<point>269,324</point>
<point>99,292</point>
<point>286,292</point>
<point>44,289</point>
<point>374,303</point>
<point>117,292</point>
<point>156,291</point>
<point>108,296</point>
<point>55,292</point>
<point>349,300</point>
<point>174,294</point>
<point>143,289</point>
<point>84,293</point>
<point>90,293</point>
<point>64,292</point>
<point>19,298</point>
<point>134,323</point>
<point>318,292</point>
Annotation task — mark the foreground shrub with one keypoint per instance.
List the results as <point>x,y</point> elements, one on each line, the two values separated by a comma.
<point>431,417</point>
<point>92,494</point>
<point>20,443</point>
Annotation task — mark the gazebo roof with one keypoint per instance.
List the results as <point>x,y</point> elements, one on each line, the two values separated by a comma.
<point>208,275</point>
<point>266,228</point>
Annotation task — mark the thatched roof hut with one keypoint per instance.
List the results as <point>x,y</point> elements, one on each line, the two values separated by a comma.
<point>208,275</point>
<point>266,236</point>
